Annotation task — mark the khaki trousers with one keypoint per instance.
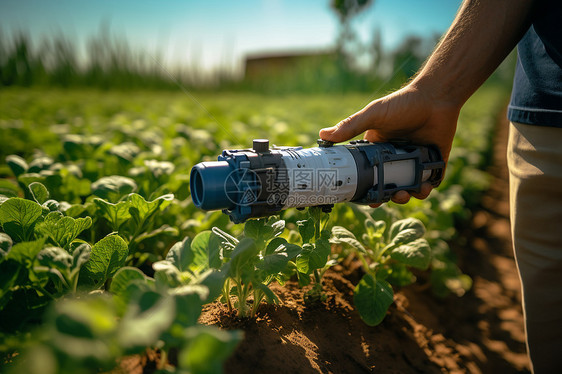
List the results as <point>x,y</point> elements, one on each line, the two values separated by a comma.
<point>535,166</point>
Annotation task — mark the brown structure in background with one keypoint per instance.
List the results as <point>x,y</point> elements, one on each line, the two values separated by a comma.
<point>264,65</point>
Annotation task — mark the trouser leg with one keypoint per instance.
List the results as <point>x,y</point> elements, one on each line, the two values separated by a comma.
<point>535,165</point>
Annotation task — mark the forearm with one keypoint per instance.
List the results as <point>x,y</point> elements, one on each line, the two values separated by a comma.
<point>481,36</point>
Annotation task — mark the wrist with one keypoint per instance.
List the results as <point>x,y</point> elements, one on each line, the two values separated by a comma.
<point>438,92</point>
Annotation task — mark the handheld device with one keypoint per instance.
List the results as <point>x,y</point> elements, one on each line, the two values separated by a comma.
<point>263,181</point>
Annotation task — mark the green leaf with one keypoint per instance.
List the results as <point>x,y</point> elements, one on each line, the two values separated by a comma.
<point>352,242</point>
<point>141,210</point>
<point>115,214</point>
<point>277,244</point>
<point>207,349</point>
<point>17,164</point>
<point>80,328</point>
<point>40,163</point>
<point>322,251</point>
<point>372,298</point>
<point>9,274</point>
<point>28,178</point>
<point>243,258</point>
<point>87,318</point>
<point>146,321</point>
<point>406,230</point>
<point>270,296</point>
<point>25,252</point>
<point>159,168</point>
<point>303,278</point>
<point>51,205</point>
<point>199,250</point>
<point>214,281</point>
<point>18,218</point>
<point>181,255</point>
<point>374,228</point>
<point>62,230</point>
<point>113,187</point>
<point>164,229</point>
<point>126,151</point>
<point>5,242</point>
<point>416,254</point>
<point>167,274</point>
<point>8,188</point>
<point>397,275</point>
<point>315,213</point>
<point>314,256</point>
<point>303,259</point>
<point>306,229</point>
<point>274,244</point>
<point>107,256</point>
<point>342,235</point>
<point>214,251</point>
<point>276,256</point>
<point>55,257</point>
<point>274,262</point>
<point>405,236</point>
<point>39,192</point>
<point>189,300</point>
<point>75,210</point>
<point>80,256</point>
<point>449,278</point>
<point>258,229</point>
<point>123,278</point>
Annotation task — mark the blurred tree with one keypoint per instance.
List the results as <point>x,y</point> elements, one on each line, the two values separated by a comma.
<point>348,49</point>
<point>376,50</point>
<point>346,10</point>
<point>410,55</point>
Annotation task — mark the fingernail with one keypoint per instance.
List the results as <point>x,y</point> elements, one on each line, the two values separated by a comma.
<point>329,130</point>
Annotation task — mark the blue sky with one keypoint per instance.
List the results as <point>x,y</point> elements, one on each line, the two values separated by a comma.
<point>217,32</point>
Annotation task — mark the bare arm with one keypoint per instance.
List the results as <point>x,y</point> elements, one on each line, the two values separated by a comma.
<point>426,110</point>
<point>481,36</point>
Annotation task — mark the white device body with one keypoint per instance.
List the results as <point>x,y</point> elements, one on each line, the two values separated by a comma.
<point>328,175</point>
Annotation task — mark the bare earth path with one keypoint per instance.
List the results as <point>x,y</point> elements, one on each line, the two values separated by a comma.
<point>487,323</point>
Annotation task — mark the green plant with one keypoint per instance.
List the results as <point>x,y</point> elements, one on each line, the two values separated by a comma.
<point>252,263</point>
<point>92,332</point>
<point>313,261</point>
<point>43,259</point>
<point>386,254</point>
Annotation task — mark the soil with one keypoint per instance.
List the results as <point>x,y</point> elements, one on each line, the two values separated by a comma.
<point>480,332</point>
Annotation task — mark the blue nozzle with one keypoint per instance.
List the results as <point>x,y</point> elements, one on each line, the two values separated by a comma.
<point>207,183</point>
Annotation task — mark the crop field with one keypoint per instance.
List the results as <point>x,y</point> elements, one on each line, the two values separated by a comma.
<point>106,265</point>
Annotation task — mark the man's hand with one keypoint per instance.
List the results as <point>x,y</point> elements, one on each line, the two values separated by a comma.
<point>409,113</point>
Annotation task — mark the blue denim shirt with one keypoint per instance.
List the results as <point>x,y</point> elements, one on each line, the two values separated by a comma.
<point>536,98</point>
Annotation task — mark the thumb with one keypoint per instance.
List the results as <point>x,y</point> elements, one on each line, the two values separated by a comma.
<point>346,129</point>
